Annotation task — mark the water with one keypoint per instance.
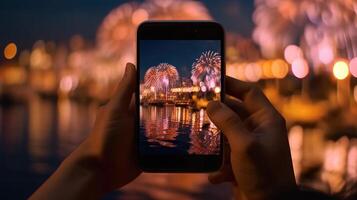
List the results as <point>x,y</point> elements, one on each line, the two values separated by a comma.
<point>177,130</point>
<point>36,135</point>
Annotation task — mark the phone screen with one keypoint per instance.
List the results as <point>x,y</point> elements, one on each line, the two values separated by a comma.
<point>177,80</point>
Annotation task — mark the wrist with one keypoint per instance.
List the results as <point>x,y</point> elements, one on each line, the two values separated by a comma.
<point>85,168</point>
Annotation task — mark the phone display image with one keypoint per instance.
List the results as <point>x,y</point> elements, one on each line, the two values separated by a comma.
<point>177,80</point>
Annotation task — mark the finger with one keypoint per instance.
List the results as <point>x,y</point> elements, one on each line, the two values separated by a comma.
<point>124,90</point>
<point>132,106</point>
<point>237,88</point>
<point>237,106</point>
<point>230,124</point>
<point>225,174</point>
<point>252,96</point>
<point>221,176</point>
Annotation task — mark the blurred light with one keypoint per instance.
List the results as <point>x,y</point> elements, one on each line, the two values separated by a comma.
<point>353,67</point>
<point>340,70</point>
<point>76,42</point>
<point>203,88</point>
<point>139,16</point>
<point>300,68</point>
<point>212,84</point>
<point>336,155</point>
<point>240,72</point>
<point>10,51</point>
<point>325,54</point>
<point>217,90</point>
<point>292,52</point>
<point>68,83</point>
<point>352,161</point>
<point>267,69</point>
<point>24,58</point>
<point>252,72</point>
<point>279,68</point>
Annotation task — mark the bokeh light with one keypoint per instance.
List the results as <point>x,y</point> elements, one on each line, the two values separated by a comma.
<point>267,69</point>
<point>252,72</point>
<point>279,68</point>
<point>217,90</point>
<point>325,53</point>
<point>300,68</point>
<point>340,70</point>
<point>353,67</point>
<point>10,51</point>
<point>292,52</point>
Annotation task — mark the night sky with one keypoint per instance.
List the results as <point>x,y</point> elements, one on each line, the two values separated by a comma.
<point>26,21</point>
<point>179,53</point>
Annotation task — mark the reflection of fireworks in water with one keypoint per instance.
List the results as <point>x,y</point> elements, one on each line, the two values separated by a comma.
<point>205,137</point>
<point>323,28</point>
<point>160,77</point>
<point>158,129</point>
<point>207,69</point>
<point>164,127</point>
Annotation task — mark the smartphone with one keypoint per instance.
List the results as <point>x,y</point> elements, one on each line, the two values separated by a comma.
<point>180,69</point>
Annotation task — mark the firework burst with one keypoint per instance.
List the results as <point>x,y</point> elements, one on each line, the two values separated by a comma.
<point>207,70</point>
<point>323,29</point>
<point>161,76</point>
<point>116,35</point>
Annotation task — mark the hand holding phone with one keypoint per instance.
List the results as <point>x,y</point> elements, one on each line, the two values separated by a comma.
<point>259,158</point>
<point>180,69</point>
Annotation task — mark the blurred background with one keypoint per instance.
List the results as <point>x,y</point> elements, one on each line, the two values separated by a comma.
<point>60,59</point>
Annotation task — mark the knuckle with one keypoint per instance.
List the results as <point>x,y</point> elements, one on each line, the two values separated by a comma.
<point>252,149</point>
<point>231,121</point>
<point>256,90</point>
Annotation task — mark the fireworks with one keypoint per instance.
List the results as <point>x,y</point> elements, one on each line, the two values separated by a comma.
<point>116,35</point>
<point>206,71</point>
<point>325,30</point>
<point>161,77</point>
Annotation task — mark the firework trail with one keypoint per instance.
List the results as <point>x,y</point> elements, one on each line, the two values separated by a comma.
<point>323,29</point>
<point>117,34</point>
<point>207,70</point>
<point>161,76</point>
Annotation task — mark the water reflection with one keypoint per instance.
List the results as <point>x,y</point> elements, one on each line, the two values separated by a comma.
<point>35,136</point>
<point>174,129</point>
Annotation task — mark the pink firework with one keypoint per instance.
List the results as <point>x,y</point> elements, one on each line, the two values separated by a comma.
<point>207,70</point>
<point>324,30</point>
<point>161,76</point>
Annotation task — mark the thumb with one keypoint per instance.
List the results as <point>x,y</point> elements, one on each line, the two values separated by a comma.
<point>230,124</point>
<point>124,90</point>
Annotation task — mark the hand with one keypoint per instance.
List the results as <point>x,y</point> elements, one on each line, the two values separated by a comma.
<point>112,141</point>
<point>106,160</point>
<point>258,161</point>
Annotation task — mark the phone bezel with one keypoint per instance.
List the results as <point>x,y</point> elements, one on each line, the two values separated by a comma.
<point>179,30</point>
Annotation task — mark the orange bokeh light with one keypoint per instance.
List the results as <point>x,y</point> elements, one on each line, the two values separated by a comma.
<point>10,51</point>
<point>279,68</point>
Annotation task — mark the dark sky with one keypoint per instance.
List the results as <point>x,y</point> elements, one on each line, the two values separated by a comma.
<point>25,21</point>
<point>179,53</point>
